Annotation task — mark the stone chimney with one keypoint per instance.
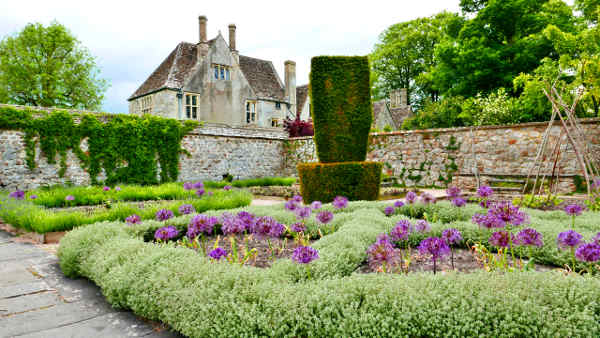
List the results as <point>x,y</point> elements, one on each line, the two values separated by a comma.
<point>290,83</point>
<point>203,44</point>
<point>232,37</point>
<point>403,97</point>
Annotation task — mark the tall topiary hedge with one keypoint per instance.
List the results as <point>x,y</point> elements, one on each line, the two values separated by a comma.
<point>342,114</point>
<point>341,107</point>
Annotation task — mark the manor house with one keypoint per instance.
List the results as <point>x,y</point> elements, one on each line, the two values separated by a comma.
<point>210,81</point>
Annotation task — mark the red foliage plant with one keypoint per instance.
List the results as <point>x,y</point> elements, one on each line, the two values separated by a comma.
<point>297,127</point>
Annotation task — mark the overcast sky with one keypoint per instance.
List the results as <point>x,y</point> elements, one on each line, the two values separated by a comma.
<point>131,38</point>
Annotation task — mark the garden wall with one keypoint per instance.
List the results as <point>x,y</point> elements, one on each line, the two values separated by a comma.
<point>436,156</point>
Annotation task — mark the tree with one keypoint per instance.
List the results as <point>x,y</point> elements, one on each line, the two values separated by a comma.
<point>589,8</point>
<point>47,66</point>
<point>406,50</point>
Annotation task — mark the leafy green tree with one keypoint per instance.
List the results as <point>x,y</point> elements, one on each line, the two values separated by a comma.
<point>589,8</point>
<point>47,66</point>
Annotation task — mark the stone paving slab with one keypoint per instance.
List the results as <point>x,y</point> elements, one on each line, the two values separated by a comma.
<point>12,305</point>
<point>23,289</point>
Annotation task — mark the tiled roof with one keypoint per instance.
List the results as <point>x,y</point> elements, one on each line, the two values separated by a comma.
<point>398,114</point>
<point>262,77</point>
<point>301,96</point>
<point>172,71</point>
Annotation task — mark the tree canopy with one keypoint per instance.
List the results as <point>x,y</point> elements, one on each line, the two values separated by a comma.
<point>47,66</point>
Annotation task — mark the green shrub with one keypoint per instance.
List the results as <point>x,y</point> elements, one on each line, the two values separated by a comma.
<point>340,107</point>
<point>201,298</point>
<point>252,182</point>
<point>354,180</point>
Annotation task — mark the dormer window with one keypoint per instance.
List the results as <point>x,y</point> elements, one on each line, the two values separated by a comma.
<point>221,72</point>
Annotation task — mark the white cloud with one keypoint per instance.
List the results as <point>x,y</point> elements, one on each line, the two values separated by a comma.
<point>131,38</point>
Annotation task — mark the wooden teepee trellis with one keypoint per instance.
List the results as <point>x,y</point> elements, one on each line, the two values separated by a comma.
<point>575,137</point>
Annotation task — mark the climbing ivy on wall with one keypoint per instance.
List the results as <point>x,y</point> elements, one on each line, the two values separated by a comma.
<point>130,149</point>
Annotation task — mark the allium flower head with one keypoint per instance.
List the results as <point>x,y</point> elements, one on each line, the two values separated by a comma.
<point>277,229</point>
<point>508,213</point>
<point>451,236</point>
<point>291,205</point>
<point>70,198</point>
<point>117,188</point>
<point>166,233</point>
<point>434,247</point>
<point>530,237</point>
<point>106,188</point>
<point>487,221</point>
<point>303,212</point>
<point>231,224</point>
<point>453,192</point>
<point>267,226</point>
<point>401,231</point>
<point>325,217</point>
<point>201,224</point>
<point>34,196</point>
<point>297,199</point>
<point>596,239</point>
<point>247,218</point>
<point>589,252</point>
<point>422,226</point>
<point>298,227</point>
<point>382,251</point>
<point>198,185</point>
<point>411,197</point>
<point>133,219</point>
<point>188,186</point>
<point>485,203</point>
<point>227,188</point>
<point>389,211</point>
<point>186,209</point>
<point>164,214</point>
<point>304,255</point>
<point>217,253</point>
<point>485,191</point>
<point>459,202</point>
<point>501,239</point>
<point>316,205</point>
<point>573,209</point>
<point>427,198</point>
<point>340,202</point>
<point>200,192</point>
<point>569,239</point>
<point>398,204</point>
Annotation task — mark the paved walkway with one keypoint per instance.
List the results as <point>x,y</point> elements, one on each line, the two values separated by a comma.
<point>37,300</point>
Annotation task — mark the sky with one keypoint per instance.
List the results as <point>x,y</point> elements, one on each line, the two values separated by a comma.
<point>131,38</point>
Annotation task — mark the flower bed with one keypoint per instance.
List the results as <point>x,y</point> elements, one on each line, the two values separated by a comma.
<point>199,296</point>
<point>253,182</point>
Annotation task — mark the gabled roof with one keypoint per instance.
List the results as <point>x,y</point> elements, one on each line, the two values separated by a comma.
<point>398,114</point>
<point>172,71</point>
<point>301,96</point>
<point>262,77</point>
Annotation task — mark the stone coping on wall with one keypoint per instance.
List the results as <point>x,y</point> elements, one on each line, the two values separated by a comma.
<point>465,129</point>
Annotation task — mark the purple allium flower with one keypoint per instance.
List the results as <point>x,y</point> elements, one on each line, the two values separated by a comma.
<point>325,217</point>
<point>210,193</point>
<point>201,224</point>
<point>589,252</point>
<point>188,186</point>
<point>389,211</point>
<point>117,188</point>
<point>398,204</point>
<point>34,196</point>
<point>198,185</point>
<point>17,194</point>
<point>297,199</point>
<point>264,227</point>
<point>485,204</point>
<point>217,253</point>
<point>508,213</point>
<point>459,202</point>
<point>573,209</point>
<point>227,188</point>
<point>106,188</point>
<point>501,239</point>
<point>316,205</point>
<point>247,218</point>
<point>340,202</point>
<point>185,209</point>
<point>596,239</point>
<point>133,219</point>
<point>382,251</point>
<point>303,212</point>
<point>485,191</point>
<point>298,227</point>
<point>304,255</point>
<point>451,236</point>
<point>166,233</point>
<point>277,229</point>
<point>291,205</point>
<point>487,221</point>
<point>70,198</point>
<point>411,197</point>
<point>453,192</point>
<point>231,224</point>
<point>569,239</point>
<point>401,231</point>
<point>422,226</point>
<point>164,214</point>
<point>435,247</point>
<point>530,237</point>
<point>200,192</point>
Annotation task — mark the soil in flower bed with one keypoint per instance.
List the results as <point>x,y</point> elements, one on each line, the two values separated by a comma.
<point>282,247</point>
<point>464,262</point>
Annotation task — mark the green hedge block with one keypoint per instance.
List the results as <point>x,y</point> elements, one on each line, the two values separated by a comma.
<point>341,108</point>
<point>354,180</point>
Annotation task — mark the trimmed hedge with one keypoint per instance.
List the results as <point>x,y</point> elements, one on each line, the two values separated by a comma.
<point>354,180</point>
<point>200,298</point>
<point>253,182</point>
<point>341,108</point>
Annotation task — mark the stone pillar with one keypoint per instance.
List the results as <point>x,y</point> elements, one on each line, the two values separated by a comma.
<point>232,37</point>
<point>290,83</point>
<point>202,27</point>
<point>403,97</point>
<point>395,98</point>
